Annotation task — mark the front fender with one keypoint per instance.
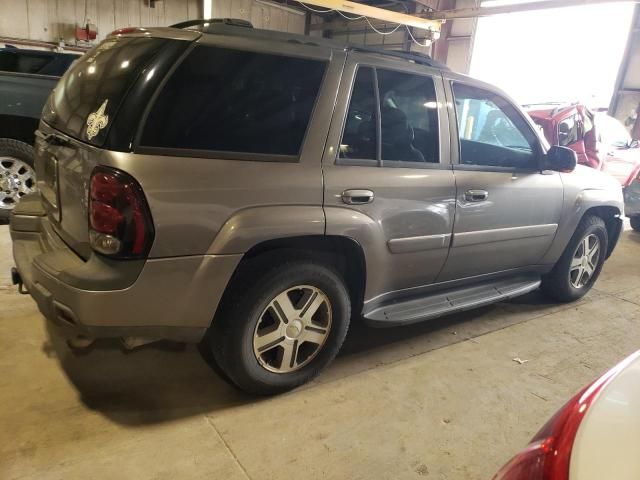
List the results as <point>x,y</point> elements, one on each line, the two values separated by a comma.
<point>575,208</point>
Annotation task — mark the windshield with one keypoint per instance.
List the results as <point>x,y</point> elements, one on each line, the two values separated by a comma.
<point>87,97</point>
<point>612,132</point>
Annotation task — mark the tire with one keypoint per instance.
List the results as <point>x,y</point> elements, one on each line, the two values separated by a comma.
<point>567,283</point>
<point>16,158</point>
<point>249,309</point>
<point>635,223</point>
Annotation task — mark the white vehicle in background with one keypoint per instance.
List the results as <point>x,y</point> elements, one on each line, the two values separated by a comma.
<point>594,436</point>
<point>619,151</point>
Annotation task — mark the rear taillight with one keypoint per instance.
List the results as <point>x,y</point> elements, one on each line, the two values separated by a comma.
<point>548,455</point>
<point>119,218</point>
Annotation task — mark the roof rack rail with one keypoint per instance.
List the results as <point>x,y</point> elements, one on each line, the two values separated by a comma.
<point>229,26</point>
<point>234,22</point>
<point>416,57</point>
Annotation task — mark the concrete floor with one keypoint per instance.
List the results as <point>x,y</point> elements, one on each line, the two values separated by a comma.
<point>441,400</point>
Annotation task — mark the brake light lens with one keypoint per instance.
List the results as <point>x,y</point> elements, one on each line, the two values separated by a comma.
<point>119,218</point>
<point>548,455</point>
<point>126,30</point>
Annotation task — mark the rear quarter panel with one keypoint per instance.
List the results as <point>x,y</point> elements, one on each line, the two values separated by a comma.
<point>223,206</point>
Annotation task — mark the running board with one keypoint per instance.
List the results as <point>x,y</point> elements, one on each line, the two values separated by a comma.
<point>450,301</point>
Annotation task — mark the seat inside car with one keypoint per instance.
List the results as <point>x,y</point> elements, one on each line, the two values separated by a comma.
<point>398,136</point>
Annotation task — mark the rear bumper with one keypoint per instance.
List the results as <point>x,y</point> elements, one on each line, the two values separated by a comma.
<point>172,298</point>
<point>632,199</point>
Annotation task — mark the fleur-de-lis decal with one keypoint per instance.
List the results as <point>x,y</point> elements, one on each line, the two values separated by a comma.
<point>97,121</point>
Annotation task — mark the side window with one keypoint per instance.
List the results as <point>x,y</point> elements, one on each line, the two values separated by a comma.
<point>235,101</point>
<point>359,136</point>
<point>568,131</point>
<point>408,122</point>
<point>23,62</point>
<point>491,131</point>
<point>409,117</point>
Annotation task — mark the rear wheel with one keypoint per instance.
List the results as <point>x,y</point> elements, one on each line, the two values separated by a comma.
<point>580,264</point>
<point>17,176</point>
<point>635,223</point>
<point>279,329</point>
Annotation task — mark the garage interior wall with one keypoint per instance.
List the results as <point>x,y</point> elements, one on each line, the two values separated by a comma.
<point>625,104</point>
<point>55,20</point>
<point>453,48</point>
<point>262,14</point>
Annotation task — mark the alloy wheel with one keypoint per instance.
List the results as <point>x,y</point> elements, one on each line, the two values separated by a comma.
<point>584,262</point>
<point>17,179</point>
<point>293,328</point>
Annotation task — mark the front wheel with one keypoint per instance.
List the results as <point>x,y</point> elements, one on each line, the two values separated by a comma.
<point>278,330</point>
<point>581,263</point>
<point>635,223</point>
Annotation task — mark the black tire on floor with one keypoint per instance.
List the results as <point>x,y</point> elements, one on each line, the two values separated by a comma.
<point>557,284</point>
<point>230,338</point>
<point>635,223</point>
<point>17,149</point>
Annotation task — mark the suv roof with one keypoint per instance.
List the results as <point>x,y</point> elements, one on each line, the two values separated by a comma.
<point>243,28</point>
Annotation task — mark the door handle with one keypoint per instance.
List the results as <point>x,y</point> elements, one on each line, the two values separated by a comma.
<point>357,197</point>
<point>476,195</point>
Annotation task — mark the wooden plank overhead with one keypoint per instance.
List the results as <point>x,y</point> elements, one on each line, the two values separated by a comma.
<point>478,11</point>
<point>360,9</point>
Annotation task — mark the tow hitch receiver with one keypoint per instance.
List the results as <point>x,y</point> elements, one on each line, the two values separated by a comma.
<point>16,279</point>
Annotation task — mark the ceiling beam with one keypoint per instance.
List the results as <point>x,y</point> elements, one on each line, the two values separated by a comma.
<point>341,24</point>
<point>521,7</point>
<point>368,11</point>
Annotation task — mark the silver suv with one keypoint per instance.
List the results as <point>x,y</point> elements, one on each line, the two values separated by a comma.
<point>256,191</point>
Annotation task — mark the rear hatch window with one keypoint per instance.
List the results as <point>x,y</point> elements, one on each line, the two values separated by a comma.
<point>88,96</point>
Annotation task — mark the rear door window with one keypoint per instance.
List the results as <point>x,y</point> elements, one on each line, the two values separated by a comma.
<point>407,124</point>
<point>237,102</point>
<point>359,139</point>
<point>409,117</point>
<point>88,96</point>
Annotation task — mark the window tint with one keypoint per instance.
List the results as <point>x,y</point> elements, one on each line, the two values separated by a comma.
<point>42,63</point>
<point>492,132</point>
<point>409,111</point>
<point>568,131</point>
<point>408,123</point>
<point>23,62</point>
<point>101,77</point>
<point>235,101</point>
<point>359,137</point>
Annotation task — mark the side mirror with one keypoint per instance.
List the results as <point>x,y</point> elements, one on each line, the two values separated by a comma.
<point>634,144</point>
<point>560,159</point>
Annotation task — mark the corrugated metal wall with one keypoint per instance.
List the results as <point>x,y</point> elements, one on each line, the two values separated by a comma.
<point>262,14</point>
<point>53,20</point>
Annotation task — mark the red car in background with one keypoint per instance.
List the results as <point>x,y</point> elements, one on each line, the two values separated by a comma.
<point>600,141</point>
<point>569,126</point>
